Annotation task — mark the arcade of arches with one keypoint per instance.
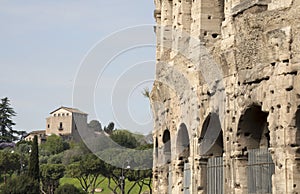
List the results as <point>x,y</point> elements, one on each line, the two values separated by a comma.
<point>226,99</point>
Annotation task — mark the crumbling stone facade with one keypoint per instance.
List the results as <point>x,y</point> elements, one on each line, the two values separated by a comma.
<point>227,83</point>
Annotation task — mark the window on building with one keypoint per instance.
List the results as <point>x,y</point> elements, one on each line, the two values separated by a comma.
<point>60,126</point>
<point>63,114</point>
<point>67,114</point>
<point>59,114</point>
<point>48,126</point>
<point>55,115</point>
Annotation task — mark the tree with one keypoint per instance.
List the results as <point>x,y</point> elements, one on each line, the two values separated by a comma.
<point>50,175</point>
<point>34,170</point>
<point>68,189</point>
<point>7,134</point>
<point>140,178</point>
<point>24,149</point>
<point>87,171</point>
<point>124,138</point>
<point>53,145</point>
<point>95,125</point>
<point>9,162</point>
<point>110,127</point>
<point>20,184</point>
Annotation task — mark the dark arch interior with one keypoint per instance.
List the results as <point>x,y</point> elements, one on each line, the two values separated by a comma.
<point>253,129</point>
<point>183,142</point>
<point>156,148</point>
<point>166,141</point>
<point>211,138</point>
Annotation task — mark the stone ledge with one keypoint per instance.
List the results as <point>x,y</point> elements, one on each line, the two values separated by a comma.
<point>246,5</point>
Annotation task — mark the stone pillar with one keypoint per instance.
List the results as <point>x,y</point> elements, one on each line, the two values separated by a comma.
<point>166,30</point>
<point>239,168</point>
<point>201,175</point>
<point>285,148</point>
<point>181,27</point>
<point>162,183</point>
<point>177,171</point>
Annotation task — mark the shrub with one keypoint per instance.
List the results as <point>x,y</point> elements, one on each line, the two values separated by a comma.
<point>68,189</point>
<point>20,185</point>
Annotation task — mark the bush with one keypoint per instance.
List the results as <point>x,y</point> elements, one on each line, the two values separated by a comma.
<point>68,189</point>
<point>20,185</point>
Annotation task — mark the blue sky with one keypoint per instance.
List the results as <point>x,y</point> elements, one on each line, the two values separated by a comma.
<point>43,43</point>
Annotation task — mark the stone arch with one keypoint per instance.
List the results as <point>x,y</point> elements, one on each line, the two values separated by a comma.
<point>253,141</point>
<point>183,142</point>
<point>253,132</point>
<point>211,152</point>
<point>211,137</point>
<point>183,171</point>
<point>167,146</point>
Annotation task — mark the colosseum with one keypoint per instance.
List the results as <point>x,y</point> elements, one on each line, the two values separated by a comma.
<point>226,98</point>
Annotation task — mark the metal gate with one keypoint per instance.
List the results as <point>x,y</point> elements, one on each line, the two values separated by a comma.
<point>187,178</point>
<point>215,176</point>
<point>260,171</point>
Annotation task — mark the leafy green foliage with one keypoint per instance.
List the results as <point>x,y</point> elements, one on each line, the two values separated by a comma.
<point>55,159</point>
<point>95,125</point>
<point>124,138</point>
<point>87,171</point>
<point>23,149</point>
<point>34,169</point>
<point>68,189</point>
<point>50,175</point>
<point>9,162</point>
<point>110,128</point>
<point>22,184</point>
<point>72,155</point>
<point>53,145</point>
<point>7,134</point>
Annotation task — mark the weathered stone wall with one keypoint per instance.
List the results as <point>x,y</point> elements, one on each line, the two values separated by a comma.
<point>239,60</point>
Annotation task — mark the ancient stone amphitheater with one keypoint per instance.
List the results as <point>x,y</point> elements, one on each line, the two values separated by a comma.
<point>226,99</point>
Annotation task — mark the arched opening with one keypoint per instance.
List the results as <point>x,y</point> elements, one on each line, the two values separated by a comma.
<point>183,153</point>
<point>167,157</point>
<point>253,132</point>
<point>211,138</point>
<point>167,146</point>
<point>211,151</point>
<point>156,149</point>
<point>253,141</point>
<point>183,143</point>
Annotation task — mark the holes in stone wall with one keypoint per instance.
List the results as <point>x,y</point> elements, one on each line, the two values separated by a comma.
<point>290,88</point>
<point>285,61</point>
<point>215,35</point>
<point>288,108</point>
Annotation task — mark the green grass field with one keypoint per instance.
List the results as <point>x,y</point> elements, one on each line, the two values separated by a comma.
<point>104,185</point>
